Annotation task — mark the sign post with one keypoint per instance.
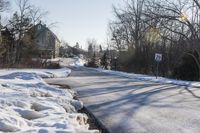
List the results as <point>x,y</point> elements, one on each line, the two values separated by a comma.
<point>158,59</point>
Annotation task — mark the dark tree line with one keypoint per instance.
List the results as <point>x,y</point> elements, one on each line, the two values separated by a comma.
<point>171,27</point>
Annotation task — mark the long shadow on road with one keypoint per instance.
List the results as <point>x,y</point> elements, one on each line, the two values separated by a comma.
<point>129,105</point>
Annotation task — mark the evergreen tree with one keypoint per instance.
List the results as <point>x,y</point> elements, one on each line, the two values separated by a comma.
<point>21,22</point>
<point>93,62</point>
<point>104,60</point>
<point>2,49</point>
<point>18,26</point>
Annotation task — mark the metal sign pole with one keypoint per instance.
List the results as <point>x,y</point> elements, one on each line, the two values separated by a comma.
<point>158,59</point>
<point>157,67</point>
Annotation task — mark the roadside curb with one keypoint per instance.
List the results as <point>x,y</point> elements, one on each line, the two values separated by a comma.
<point>98,123</point>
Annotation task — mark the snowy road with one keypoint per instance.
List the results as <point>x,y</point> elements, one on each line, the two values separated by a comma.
<point>132,106</point>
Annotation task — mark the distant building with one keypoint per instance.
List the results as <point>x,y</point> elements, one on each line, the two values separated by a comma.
<point>7,48</point>
<point>68,51</point>
<point>44,39</point>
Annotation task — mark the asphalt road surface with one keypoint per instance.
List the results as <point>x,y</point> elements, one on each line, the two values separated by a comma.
<point>125,105</point>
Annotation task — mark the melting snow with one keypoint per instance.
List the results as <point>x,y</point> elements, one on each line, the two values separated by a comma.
<point>28,104</point>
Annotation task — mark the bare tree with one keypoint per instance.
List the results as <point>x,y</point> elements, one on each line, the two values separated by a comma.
<point>23,19</point>
<point>167,26</point>
<point>181,18</point>
<point>36,15</point>
<point>92,45</point>
<point>4,5</point>
<point>129,27</point>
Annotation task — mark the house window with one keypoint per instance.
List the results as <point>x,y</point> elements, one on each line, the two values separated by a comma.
<point>48,33</point>
<point>39,27</point>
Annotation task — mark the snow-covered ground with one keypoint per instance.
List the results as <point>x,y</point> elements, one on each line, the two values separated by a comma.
<point>75,62</point>
<point>44,73</point>
<point>150,78</point>
<point>78,62</point>
<point>28,104</point>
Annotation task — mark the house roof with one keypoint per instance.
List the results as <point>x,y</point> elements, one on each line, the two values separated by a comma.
<point>46,28</point>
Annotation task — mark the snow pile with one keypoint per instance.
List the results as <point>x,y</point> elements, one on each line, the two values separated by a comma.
<point>151,78</point>
<point>47,60</point>
<point>53,60</point>
<point>44,73</point>
<point>28,104</point>
<point>78,62</point>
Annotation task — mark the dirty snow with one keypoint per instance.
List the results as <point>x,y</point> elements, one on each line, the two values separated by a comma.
<point>28,104</point>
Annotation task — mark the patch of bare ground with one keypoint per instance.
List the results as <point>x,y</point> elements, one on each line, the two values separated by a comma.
<point>93,122</point>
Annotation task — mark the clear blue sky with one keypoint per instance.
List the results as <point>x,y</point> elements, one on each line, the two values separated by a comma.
<point>79,20</point>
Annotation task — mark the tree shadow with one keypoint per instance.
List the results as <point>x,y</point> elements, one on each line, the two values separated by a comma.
<point>191,92</point>
<point>90,91</point>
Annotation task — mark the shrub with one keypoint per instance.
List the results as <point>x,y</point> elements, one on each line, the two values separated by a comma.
<point>188,68</point>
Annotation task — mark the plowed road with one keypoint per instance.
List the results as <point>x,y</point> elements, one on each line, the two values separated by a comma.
<point>125,105</point>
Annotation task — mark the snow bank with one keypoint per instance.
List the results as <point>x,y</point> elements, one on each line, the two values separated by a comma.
<point>47,60</point>
<point>44,73</point>
<point>53,60</point>
<point>28,104</point>
<point>151,78</point>
<point>78,62</point>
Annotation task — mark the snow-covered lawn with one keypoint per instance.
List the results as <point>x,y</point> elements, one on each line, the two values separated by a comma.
<point>28,104</point>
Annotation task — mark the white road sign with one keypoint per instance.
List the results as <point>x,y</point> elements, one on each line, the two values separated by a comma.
<point>158,57</point>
